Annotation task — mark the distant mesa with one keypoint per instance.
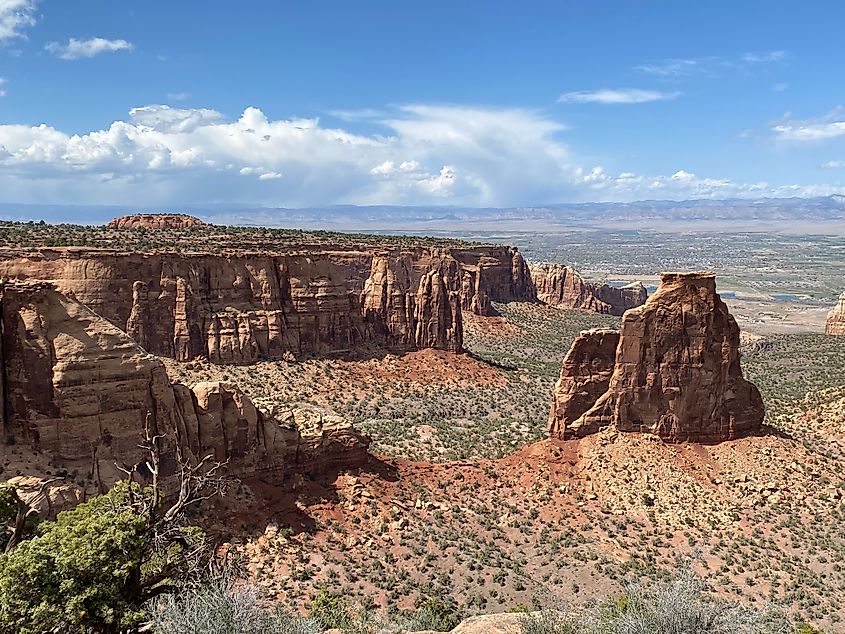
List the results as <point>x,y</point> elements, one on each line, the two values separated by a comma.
<point>836,318</point>
<point>156,221</point>
<point>673,370</point>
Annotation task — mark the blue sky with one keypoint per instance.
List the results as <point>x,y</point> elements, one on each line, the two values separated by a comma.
<point>441,103</point>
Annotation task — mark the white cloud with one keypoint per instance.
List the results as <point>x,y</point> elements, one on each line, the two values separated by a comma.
<point>260,172</point>
<point>167,119</point>
<point>832,165</point>
<point>711,65</point>
<point>178,96</point>
<point>79,49</point>
<point>781,87</point>
<point>764,58</point>
<point>423,154</point>
<point>617,96</point>
<point>2,90</point>
<point>15,17</point>
<point>822,128</point>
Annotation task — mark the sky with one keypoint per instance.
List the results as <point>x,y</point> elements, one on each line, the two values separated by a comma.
<point>478,104</point>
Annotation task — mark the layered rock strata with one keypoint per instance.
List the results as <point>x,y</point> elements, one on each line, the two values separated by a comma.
<point>78,388</point>
<point>156,221</point>
<point>240,309</point>
<point>676,371</point>
<point>836,318</point>
<point>561,286</point>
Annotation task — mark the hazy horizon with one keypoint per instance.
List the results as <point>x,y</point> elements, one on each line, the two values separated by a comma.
<point>384,104</point>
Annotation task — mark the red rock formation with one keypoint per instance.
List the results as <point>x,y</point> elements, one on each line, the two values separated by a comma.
<point>241,309</point>
<point>836,318</point>
<point>80,389</point>
<point>156,221</point>
<point>676,373</point>
<point>492,274</point>
<point>585,376</point>
<point>621,298</point>
<point>561,286</point>
<point>409,304</point>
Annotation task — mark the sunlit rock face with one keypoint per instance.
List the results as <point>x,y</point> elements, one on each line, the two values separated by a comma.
<point>80,390</point>
<point>562,286</point>
<point>675,373</point>
<point>836,318</point>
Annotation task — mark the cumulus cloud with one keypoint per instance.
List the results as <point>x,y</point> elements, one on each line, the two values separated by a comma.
<point>15,17</point>
<point>167,119</point>
<point>421,154</point>
<point>822,128</point>
<point>79,49</point>
<point>616,96</point>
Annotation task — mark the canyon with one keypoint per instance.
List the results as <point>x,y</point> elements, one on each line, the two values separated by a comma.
<point>239,308</point>
<point>242,308</point>
<point>386,444</point>
<point>673,371</point>
<point>84,393</point>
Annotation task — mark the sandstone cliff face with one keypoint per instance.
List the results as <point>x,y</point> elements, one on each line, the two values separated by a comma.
<point>406,302</point>
<point>836,318</point>
<point>585,376</point>
<point>561,286</point>
<point>492,274</point>
<point>676,371</point>
<point>81,390</point>
<point>156,221</point>
<point>240,309</point>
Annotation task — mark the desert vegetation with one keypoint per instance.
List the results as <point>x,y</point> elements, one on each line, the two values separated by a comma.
<point>201,239</point>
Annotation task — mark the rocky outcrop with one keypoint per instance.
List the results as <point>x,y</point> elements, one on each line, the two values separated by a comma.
<point>81,390</point>
<point>676,371</point>
<point>836,318</point>
<point>410,308</point>
<point>561,286</point>
<point>621,298</point>
<point>585,376</point>
<point>241,309</point>
<point>47,496</point>
<point>156,221</point>
<point>244,308</point>
<point>492,274</point>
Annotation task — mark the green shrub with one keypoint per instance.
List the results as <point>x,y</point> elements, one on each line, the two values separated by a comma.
<point>77,572</point>
<point>331,610</point>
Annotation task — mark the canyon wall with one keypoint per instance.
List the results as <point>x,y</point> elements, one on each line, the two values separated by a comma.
<point>561,286</point>
<point>243,308</point>
<point>79,389</point>
<point>836,318</point>
<point>675,372</point>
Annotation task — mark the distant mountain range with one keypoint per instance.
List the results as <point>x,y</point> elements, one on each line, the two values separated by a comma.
<point>812,215</point>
